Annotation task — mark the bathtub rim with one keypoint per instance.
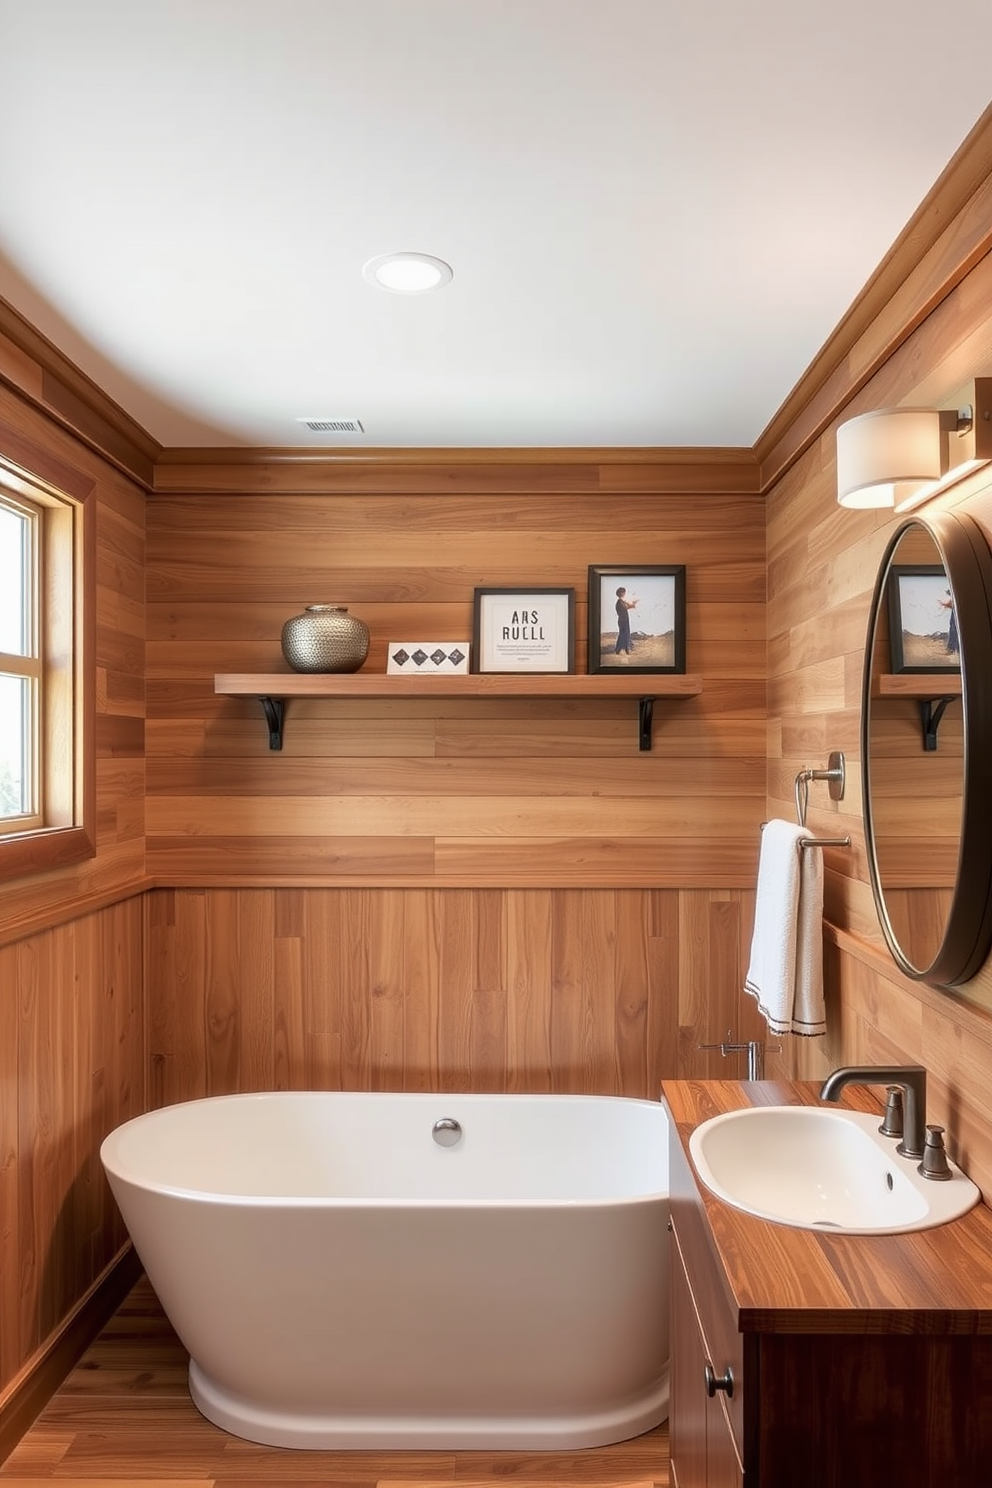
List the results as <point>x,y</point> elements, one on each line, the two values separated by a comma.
<point>126,1173</point>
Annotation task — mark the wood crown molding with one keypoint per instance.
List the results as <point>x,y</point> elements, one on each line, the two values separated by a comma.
<point>947,235</point>
<point>730,471</point>
<point>35,368</point>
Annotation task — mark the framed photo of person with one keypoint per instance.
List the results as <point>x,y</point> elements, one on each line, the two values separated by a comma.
<point>524,630</point>
<point>637,617</point>
<point>923,629</point>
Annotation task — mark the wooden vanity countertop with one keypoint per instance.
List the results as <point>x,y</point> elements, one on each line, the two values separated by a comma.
<point>778,1279</point>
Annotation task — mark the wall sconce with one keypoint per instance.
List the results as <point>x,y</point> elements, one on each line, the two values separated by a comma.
<point>901,457</point>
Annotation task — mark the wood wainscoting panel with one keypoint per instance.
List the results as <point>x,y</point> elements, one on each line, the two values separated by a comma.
<point>71,1069</point>
<point>583,991</point>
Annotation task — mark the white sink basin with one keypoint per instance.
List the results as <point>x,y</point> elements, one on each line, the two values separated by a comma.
<point>816,1169</point>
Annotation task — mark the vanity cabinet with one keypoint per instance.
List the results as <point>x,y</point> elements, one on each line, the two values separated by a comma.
<point>855,1360</point>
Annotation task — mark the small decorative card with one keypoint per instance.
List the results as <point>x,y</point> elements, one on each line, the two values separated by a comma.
<point>427,658</point>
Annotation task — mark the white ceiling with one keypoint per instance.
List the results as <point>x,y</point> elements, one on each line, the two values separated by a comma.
<point>656,211</point>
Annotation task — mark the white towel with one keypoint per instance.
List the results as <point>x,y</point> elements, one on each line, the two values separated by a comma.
<point>786,969</point>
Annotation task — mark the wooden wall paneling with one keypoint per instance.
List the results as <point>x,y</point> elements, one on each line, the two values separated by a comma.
<point>422,909</point>
<point>518,804</point>
<point>661,918</point>
<point>714,944</point>
<point>389,995</point>
<point>335,950</point>
<point>28,904</point>
<point>633,992</point>
<point>72,1069</point>
<point>471,1029</point>
<point>234,984</point>
<point>874,1014</point>
<point>11,1347</point>
<point>529,994</point>
<point>288,1023</point>
<point>577,1049</point>
<point>472,989</point>
<point>175,955</point>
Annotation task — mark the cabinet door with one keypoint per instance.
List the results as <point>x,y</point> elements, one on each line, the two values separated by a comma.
<point>701,1444</point>
<point>722,1467</point>
<point>688,1402</point>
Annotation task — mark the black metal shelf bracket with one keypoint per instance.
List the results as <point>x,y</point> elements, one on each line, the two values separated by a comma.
<point>931,712</point>
<point>645,721</point>
<point>275,716</point>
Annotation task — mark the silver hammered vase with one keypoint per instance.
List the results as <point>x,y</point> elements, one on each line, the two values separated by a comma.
<point>325,638</point>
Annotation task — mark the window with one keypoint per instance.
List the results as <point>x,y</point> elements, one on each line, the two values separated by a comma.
<point>46,799</point>
<point>20,665</point>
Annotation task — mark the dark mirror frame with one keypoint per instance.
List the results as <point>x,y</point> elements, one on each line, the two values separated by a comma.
<point>967,561</point>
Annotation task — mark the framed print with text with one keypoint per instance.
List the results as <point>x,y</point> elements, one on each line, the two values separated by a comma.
<point>637,617</point>
<point>524,630</point>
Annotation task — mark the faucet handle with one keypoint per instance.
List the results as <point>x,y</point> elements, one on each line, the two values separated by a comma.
<point>892,1122</point>
<point>934,1164</point>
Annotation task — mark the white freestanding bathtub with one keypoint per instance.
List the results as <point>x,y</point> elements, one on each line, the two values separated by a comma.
<point>344,1278</point>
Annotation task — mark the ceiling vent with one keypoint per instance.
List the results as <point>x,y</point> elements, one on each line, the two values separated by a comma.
<point>332,425</point>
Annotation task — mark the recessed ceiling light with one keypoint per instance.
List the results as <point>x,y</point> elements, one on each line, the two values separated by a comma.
<point>407,273</point>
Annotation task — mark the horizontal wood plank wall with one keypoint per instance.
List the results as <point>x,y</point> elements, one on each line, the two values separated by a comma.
<point>71,1069</point>
<point>585,991</point>
<point>822,562</point>
<point>71,1032</point>
<point>498,895</point>
<point>512,792</point>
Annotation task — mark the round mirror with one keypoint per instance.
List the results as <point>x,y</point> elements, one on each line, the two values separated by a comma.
<point>926,748</point>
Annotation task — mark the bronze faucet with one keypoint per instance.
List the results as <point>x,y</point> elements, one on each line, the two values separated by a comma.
<point>912,1078</point>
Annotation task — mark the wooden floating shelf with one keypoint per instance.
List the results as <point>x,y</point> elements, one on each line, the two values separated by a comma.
<point>932,690</point>
<point>273,688</point>
<point>920,684</point>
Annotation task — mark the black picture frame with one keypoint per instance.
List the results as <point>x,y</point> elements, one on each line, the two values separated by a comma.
<point>523,630</point>
<point>657,590</point>
<point>923,635</point>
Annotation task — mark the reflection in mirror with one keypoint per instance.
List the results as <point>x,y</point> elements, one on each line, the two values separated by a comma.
<point>926,747</point>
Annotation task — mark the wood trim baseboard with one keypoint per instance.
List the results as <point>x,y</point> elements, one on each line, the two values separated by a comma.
<point>30,1391</point>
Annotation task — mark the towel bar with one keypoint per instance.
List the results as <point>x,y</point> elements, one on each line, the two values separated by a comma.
<point>836,774</point>
<point>820,841</point>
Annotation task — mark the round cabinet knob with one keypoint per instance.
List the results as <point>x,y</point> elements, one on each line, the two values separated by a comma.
<point>714,1382</point>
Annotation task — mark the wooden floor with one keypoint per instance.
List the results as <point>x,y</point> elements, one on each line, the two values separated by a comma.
<point>124,1416</point>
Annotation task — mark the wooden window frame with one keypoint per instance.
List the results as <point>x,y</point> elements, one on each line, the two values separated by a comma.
<point>67,729</point>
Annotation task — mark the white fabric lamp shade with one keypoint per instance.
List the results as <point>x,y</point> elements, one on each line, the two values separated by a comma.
<point>886,456</point>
